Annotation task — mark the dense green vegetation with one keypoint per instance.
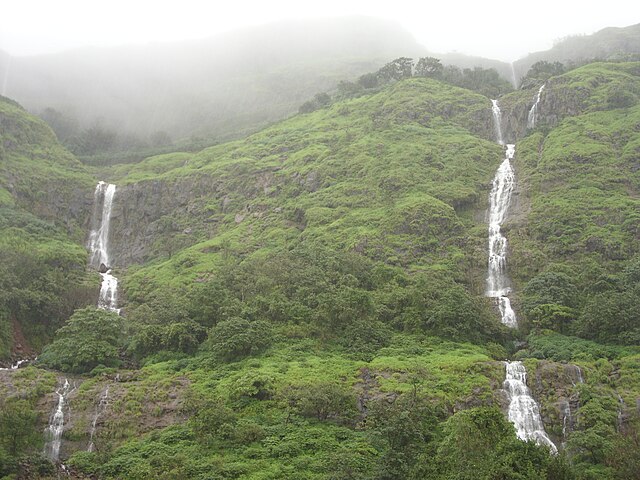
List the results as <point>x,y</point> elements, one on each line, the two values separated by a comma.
<point>486,81</point>
<point>579,247</point>
<point>311,303</point>
<point>42,264</point>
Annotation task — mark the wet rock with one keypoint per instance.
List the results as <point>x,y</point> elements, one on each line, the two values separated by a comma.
<point>103,268</point>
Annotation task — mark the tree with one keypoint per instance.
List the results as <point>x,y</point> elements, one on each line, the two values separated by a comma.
<point>236,338</point>
<point>549,300</point>
<point>552,316</point>
<point>397,69</point>
<point>182,337</point>
<point>368,80</point>
<point>481,444</point>
<point>91,337</point>
<point>407,428</point>
<point>322,400</point>
<point>429,67</point>
<point>319,100</point>
<point>18,426</point>
<point>540,72</point>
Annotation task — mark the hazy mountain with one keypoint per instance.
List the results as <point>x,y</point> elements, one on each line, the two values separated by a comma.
<point>222,85</point>
<point>607,44</point>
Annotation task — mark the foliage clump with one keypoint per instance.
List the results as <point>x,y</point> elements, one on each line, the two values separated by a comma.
<point>91,337</point>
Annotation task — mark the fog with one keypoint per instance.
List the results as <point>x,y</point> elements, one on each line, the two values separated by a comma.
<point>500,29</point>
<point>129,76</point>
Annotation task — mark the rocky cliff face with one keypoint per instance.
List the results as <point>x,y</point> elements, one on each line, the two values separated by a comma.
<point>150,211</point>
<point>39,174</point>
<point>555,387</point>
<point>158,217</point>
<point>594,87</point>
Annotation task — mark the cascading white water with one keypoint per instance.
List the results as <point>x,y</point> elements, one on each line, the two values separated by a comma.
<point>532,118</point>
<point>621,407</point>
<point>497,121</point>
<point>513,77</point>
<point>100,408</point>
<point>499,200</point>
<point>53,432</point>
<point>17,365</point>
<point>99,246</point>
<point>523,409</point>
<point>567,421</point>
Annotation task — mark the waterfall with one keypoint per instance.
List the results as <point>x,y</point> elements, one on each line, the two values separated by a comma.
<point>497,121</point>
<point>513,77</point>
<point>499,200</point>
<point>620,411</point>
<point>99,246</point>
<point>532,118</point>
<point>15,366</point>
<point>566,417</point>
<point>53,433</point>
<point>523,409</point>
<point>100,408</point>
<point>578,371</point>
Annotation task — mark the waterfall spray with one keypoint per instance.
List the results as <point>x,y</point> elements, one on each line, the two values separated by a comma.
<point>53,432</point>
<point>100,408</point>
<point>532,118</point>
<point>98,245</point>
<point>523,409</point>
<point>499,201</point>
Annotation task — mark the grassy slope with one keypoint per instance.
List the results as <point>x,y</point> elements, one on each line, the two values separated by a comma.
<point>399,177</point>
<point>393,176</point>
<point>41,227</point>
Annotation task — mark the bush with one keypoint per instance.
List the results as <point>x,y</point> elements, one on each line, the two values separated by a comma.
<point>91,337</point>
<point>323,400</point>
<point>237,338</point>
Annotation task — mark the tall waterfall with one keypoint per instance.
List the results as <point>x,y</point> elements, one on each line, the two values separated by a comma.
<point>100,408</point>
<point>499,200</point>
<point>532,118</point>
<point>567,420</point>
<point>497,121</point>
<point>53,433</point>
<point>99,245</point>
<point>513,77</point>
<point>523,409</point>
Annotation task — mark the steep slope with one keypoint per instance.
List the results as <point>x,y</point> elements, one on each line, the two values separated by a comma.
<point>575,240</point>
<point>44,207</point>
<point>308,302</point>
<point>409,143</point>
<point>594,87</point>
<point>607,44</point>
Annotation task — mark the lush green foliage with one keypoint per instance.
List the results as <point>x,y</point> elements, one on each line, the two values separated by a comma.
<point>581,237</point>
<point>42,267</point>
<point>91,337</point>
<point>312,307</point>
<point>485,81</point>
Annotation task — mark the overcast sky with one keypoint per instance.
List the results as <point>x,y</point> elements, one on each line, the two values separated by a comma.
<point>500,29</point>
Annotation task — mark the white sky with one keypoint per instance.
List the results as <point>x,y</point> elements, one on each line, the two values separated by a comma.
<point>500,29</point>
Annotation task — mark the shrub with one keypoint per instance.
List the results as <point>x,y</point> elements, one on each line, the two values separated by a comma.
<point>91,337</point>
<point>237,338</point>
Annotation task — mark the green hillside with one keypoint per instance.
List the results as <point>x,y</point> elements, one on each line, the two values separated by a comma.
<point>45,197</point>
<point>307,302</point>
